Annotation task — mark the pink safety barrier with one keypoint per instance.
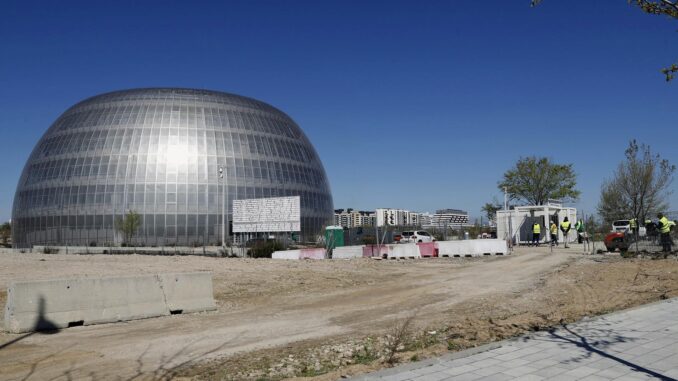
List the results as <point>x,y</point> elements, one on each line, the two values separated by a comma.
<point>318,253</point>
<point>375,251</point>
<point>428,249</point>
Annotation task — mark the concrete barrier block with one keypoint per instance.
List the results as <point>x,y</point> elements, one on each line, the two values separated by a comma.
<point>472,248</point>
<point>379,251</point>
<point>62,303</point>
<point>467,250</point>
<point>52,304</point>
<point>427,249</point>
<point>489,246</point>
<point>348,252</point>
<point>286,254</point>
<point>317,253</point>
<point>406,250</point>
<point>449,249</point>
<point>188,292</point>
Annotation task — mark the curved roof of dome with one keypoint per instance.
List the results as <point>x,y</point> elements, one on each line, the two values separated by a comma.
<point>178,93</point>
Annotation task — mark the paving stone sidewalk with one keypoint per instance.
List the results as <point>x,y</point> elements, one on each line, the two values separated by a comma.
<point>637,344</point>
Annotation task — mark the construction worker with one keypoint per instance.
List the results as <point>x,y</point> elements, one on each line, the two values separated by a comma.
<point>664,227</point>
<point>579,227</point>
<point>565,228</point>
<point>554,233</point>
<point>633,226</point>
<point>650,229</point>
<point>536,232</point>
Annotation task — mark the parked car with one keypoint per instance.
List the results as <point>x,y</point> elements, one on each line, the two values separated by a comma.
<point>416,236</point>
<point>621,226</point>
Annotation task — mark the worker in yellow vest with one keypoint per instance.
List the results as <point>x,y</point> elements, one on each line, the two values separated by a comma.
<point>664,228</point>
<point>633,226</point>
<point>536,233</point>
<point>565,228</point>
<point>554,233</point>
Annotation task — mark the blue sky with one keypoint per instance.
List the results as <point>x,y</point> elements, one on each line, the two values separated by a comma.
<point>416,105</point>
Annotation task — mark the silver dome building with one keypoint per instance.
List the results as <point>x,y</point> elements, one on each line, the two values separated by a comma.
<point>157,152</point>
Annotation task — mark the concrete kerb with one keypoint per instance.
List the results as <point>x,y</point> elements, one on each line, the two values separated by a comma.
<point>487,347</point>
<point>428,362</point>
<point>62,303</point>
<point>205,251</point>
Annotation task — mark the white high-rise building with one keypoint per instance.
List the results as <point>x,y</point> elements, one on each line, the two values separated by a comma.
<point>350,218</point>
<point>400,217</point>
<point>391,217</point>
<point>449,218</point>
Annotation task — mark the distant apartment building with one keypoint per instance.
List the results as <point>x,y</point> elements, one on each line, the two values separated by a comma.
<point>350,218</point>
<point>425,219</point>
<point>449,217</point>
<point>391,217</point>
<point>401,217</point>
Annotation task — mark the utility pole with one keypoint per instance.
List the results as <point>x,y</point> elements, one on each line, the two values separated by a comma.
<point>223,208</point>
<point>505,198</point>
<point>508,220</point>
<point>376,232</point>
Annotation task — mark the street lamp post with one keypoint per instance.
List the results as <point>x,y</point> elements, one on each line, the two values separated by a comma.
<point>223,208</point>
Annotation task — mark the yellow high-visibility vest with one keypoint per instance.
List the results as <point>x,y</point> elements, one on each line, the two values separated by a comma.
<point>633,224</point>
<point>554,228</point>
<point>565,225</point>
<point>536,229</point>
<point>666,227</point>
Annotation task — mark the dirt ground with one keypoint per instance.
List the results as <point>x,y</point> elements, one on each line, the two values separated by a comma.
<point>280,319</point>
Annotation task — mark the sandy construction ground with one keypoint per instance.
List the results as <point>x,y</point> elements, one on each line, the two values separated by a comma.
<point>270,311</point>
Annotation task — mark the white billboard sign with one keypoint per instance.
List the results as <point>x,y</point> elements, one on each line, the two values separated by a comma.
<point>275,214</point>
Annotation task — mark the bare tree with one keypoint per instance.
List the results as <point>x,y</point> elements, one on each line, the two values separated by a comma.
<point>639,187</point>
<point>654,7</point>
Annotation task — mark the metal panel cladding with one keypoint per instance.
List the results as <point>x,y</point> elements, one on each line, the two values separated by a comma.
<point>157,152</point>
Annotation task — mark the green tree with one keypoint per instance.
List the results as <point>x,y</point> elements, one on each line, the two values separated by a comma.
<point>639,187</point>
<point>536,180</point>
<point>5,232</point>
<point>490,209</point>
<point>654,7</point>
<point>128,225</point>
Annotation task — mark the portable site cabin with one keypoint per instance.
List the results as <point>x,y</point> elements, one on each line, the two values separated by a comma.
<point>516,224</point>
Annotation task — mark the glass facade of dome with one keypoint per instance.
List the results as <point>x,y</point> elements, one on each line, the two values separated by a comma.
<point>157,152</point>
